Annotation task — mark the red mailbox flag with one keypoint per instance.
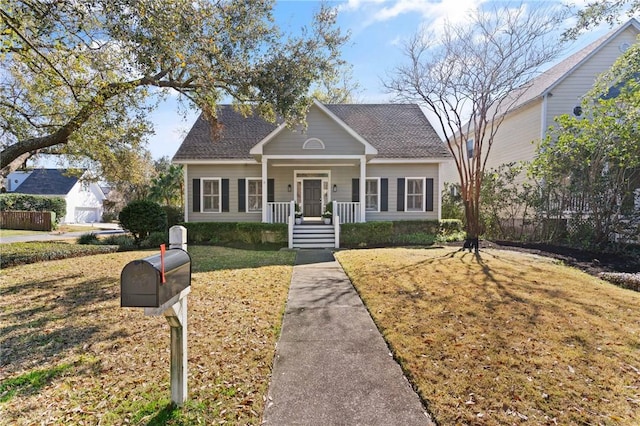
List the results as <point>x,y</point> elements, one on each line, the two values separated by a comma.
<point>162,250</point>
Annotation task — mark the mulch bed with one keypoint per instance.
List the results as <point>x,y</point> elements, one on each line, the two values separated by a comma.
<point>591,262</point>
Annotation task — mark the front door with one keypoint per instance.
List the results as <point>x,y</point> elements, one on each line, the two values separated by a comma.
<point>312,198</point>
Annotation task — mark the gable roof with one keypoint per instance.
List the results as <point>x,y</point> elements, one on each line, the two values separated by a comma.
<point>394,130</point>
<point>548,80</point>
<point>368,148</point>
<point>47,182</point>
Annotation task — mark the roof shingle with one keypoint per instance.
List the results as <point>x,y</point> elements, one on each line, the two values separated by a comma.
<point>395,130</point>
<point>47,182</point>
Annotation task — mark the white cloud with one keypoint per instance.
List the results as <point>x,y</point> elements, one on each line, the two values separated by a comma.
<point>354,5</point>
<point>434,12</point>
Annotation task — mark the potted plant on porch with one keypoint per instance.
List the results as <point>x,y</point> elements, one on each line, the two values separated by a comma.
<point>328,213</point>
<point>298,214</point>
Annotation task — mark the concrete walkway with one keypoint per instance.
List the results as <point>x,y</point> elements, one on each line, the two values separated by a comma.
<point>332,366</point>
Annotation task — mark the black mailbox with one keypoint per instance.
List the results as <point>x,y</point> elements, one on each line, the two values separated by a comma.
<point>141,283</point>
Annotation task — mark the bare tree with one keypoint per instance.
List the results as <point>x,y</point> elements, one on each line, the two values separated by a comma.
<point>470,77</point>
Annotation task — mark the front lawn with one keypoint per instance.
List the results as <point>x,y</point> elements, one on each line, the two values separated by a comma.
<point>505,338</point>
<point>69,354</point>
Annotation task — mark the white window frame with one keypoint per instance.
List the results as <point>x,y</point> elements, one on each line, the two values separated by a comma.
<point>406,193</point>
<point>247,195</point>
<point>366,194</point>
<point>313,143</point>
<point>202,194</point>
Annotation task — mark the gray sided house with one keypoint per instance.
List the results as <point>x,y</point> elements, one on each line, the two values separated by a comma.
<point>370,162</point>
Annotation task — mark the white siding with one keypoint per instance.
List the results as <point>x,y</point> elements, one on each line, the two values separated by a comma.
<point>518,136</point>
<point>569,93</point>
<point>84,203</point>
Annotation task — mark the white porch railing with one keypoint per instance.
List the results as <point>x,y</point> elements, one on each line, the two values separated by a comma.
<point>278,212</point>
<point>347,212</point>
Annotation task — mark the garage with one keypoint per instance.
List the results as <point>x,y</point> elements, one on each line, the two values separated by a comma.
<point>86,215</point>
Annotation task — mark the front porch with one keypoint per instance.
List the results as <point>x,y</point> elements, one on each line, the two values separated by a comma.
<point>285,212</point>
<point>311,184</point>
<point>315,231</point>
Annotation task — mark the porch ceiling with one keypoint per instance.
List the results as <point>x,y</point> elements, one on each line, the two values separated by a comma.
<point>309,162</point>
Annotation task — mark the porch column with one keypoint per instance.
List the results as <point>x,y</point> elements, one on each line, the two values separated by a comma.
<point>264,189</point>
<point>186,201</point>
<point>363,184</point>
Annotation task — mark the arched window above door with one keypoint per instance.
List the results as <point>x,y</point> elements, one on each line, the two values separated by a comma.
<point>313,143</point>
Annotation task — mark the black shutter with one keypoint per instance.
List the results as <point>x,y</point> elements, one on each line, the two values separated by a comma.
<point>429,200</point>
<point>196,196</point>
<point>355,190</point>
<point>271,190</point>
<point>242,195</point>
<point>225,195</point>
<point>400,195</point>
<point>384,194</point>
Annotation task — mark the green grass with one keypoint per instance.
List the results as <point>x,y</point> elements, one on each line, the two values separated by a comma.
<point>61,229</point>
<point>31,252</point>
<point>4,233</point>
<point>30,382</point>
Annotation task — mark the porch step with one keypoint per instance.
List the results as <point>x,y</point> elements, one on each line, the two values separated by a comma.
<point>313,236</point>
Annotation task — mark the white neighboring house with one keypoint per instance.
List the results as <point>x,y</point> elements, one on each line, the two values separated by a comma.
<point>84,199</point>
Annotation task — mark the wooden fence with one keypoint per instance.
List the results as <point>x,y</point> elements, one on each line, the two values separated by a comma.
<point>33,221</point>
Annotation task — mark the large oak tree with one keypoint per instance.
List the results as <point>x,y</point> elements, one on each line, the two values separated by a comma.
<point>594,12</point>
<point>76,76</point>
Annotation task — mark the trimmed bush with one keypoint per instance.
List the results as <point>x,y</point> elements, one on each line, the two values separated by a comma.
<point>34,203</point>
<point>451,226</point>
<point>89,238</point>
<point>369,234</point>
<point>404,227</point>
<point>23,253</point>
<point>402,232</point>
<point>210,232</point>
<point>225,233</point>
<point>155,239</point>
<point>142,218</point>
<point>124,242</point>
<point>175,215</point>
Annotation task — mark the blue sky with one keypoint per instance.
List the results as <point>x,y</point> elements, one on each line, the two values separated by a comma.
<point>377,28</point>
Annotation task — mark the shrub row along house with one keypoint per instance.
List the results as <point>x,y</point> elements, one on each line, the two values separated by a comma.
<point>370,162</point>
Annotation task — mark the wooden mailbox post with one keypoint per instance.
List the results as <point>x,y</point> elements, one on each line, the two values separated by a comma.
<point>160,284</point>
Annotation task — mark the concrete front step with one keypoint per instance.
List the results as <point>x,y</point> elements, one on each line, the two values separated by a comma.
<point>313,236</point>
<point>313,245</point>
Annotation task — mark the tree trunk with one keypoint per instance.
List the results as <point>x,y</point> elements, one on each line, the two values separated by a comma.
<point>472,227</point>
